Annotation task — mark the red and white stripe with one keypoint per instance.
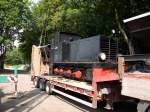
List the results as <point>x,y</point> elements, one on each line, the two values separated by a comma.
<point>12,79</point>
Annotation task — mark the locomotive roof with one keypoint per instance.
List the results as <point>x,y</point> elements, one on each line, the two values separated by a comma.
<point>70,33</point>
<point>140,23</point>
<point>136,17</point>
<point>139,27</point>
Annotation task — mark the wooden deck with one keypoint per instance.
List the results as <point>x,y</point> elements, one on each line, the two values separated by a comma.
<point>69,81</point>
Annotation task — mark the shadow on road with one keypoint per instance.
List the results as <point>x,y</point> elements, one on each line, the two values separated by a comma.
<point>34,98</point>
<point>1,95</point>
<point>119,107</point>
<point>81,106</point>
<point>26,102</point>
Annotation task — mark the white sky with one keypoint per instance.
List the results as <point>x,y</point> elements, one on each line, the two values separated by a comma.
<point>16,43</point>
<point>35,1</point>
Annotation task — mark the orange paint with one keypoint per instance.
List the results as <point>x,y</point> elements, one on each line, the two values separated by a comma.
<point>78,74</point>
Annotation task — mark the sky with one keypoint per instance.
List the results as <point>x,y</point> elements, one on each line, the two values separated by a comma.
<point>16,43</point>
<point>35,1</point>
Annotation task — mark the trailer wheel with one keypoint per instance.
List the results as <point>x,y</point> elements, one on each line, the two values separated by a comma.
<point>148,110</point>
<point>102,104</point>
<point>42,84</point>
<point>36,82</point>
<point>143,106</point>
<point>48,88</point>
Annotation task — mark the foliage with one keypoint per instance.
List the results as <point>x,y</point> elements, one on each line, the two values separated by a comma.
<point>13,16</point>
<point>14,57</point>
<point>85,17</point>
<point>28,39</point>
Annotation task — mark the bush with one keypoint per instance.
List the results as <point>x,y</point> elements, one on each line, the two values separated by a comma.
<point>14,57</point>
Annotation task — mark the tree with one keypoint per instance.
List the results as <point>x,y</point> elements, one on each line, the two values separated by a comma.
<point>85,17</point>
<point>125,9</point>
<point>13,18</point>
<point>14,57</point>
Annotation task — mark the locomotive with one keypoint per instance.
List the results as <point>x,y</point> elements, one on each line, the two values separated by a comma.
<point>71,56</point>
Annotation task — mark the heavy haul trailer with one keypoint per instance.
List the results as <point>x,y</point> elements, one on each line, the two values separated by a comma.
<point>83,66</point>
<point>135,69</point>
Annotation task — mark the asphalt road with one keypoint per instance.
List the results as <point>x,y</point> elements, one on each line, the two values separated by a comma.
<point>33,100</point>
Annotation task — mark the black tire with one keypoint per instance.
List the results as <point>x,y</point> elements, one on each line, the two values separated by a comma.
<point>102,104</point>
<point>42,84</point>
<point>48,88</point>
<point>36,82</point>
<point>148,110</point>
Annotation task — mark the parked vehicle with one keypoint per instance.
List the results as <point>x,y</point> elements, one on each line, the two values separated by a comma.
<point>90,70</point>
<point>84,66</point>
<point>135,69</point>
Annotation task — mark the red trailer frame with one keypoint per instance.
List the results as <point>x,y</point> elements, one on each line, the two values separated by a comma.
<point>91,90</point>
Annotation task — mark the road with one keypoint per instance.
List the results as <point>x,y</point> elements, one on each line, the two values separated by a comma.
<point>33,100</point>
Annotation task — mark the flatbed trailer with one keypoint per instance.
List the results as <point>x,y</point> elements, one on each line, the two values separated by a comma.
<point>103,86</point>
<point>107,83</point>
<point>81,87</point>
<point>137,84</point>
<point>92,90</point>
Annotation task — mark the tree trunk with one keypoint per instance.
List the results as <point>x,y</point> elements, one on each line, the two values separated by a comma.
<point>129,43</point>
<point>1,62</point>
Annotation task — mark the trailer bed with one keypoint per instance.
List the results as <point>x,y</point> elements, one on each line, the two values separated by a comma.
<point>80,84</point>
<point>60,80</point>
<point>137,86</point>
